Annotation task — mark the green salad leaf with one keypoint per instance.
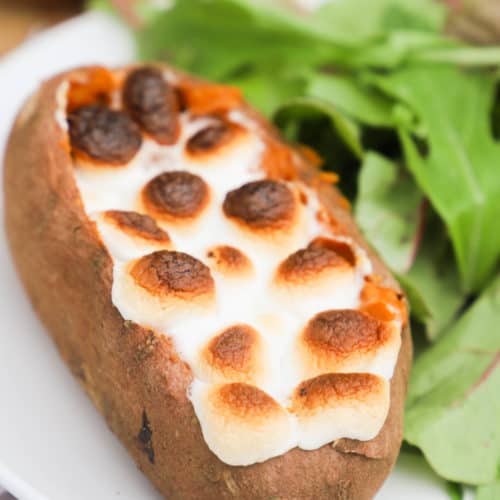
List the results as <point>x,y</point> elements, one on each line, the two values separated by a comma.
<point>453,408</point>
<point>459,172</point>
<point>359,101</point>
<point>434,278</point>
<point>390,210</point>
<point>341,20</point>
<point>387,210</point>
<point>269,89</point>
<point>489,491</point>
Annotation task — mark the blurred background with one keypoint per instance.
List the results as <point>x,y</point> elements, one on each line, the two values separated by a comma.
<point>474,20</point>
<point>20,18</point>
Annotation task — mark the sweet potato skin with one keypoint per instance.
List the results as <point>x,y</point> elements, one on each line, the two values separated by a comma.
<point>133,376</point>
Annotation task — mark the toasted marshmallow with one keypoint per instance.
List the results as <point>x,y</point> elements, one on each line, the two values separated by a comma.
<point>176,197</point>
<point>317,278</point>
<point>101,136</point>
<point>129,235</point>
<point>163,287</point>
<point>214,140</point>
<point>262,206</point>
<point>253,298</point>
<point>241,424</point>
<point>229,261</point>
<point>224,153</point>
<point>237,354</point>
<point>153,104</point>
<point>340,405</point>
<point>346,340</point>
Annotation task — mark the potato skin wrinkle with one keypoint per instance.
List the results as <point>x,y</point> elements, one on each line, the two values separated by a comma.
<point>134,373</point>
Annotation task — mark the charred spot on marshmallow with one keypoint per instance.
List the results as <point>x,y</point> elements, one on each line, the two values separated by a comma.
<point>169,273</point>
<point>309,263</point>
<point>208,138</point>
<point>261,205</point>
<point>229,260</point>
<point>341,248</point>
<point>245,401</point>
<point>138,225</point>
<point>325,390</point>
<point>342,332</point>
<point>233,351</point>
<point>101,135</point>
<point>152,103</point>
<point>175,195</point>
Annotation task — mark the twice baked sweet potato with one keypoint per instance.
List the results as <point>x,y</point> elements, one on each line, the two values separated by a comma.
<point>207,287</point>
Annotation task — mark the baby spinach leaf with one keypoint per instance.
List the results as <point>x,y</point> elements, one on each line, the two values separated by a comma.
<point>460,172</point>
<point>341,19</point>
<point>271,89</point>
<point>434,277</point>
<point>387,210</point>
<point>357,100</point>
<point>489,491</point>
<point>453,407</point>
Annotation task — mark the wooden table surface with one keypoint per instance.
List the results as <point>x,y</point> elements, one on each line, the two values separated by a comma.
<point>20,18</point>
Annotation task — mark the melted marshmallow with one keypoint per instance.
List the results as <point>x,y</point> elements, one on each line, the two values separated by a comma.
<point>259,412</point>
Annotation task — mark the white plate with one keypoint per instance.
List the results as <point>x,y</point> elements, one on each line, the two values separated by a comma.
<point>53,444</point>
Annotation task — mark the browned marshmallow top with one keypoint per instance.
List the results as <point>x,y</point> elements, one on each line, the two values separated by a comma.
<point>137,225</point>
<point>102,135</point>
<point>261,205</point>
<point>344,331</point>
<point>331,388</point>
<point>172,273</point>
<point>246,402</point>
<point>213,135</point>
<point>234,351</point>
<point>152,103</point>
<point>229,260</point>
<point>175,195</point>
<point>308,263</point>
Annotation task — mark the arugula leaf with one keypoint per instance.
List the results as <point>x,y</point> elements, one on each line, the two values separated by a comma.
<point>434,278</point>
<point>489,491</point>
<point>271,89</point>
<point>458,174</point>
<point>453,408</point>
<point>341,19</point>
<point>357,100</point>
<point>387,209</point>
